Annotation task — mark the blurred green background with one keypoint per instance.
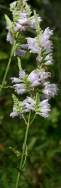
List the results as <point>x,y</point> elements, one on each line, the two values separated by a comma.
<point>43,166</point>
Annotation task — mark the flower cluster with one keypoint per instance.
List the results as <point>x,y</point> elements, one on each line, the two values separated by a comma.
<point>26,82</point>
<point>22,21</point>
<point>41,108</point>
<point>36,84</point>
<point>41,43</point>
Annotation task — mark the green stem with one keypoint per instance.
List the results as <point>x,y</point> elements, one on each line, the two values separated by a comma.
<point>6,87</point>
<point>24,119</point>
<point>23,151</point>
<point>7,68</point>
<point>33,119</point>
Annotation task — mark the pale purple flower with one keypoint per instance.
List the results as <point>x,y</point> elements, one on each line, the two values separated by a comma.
<point>48,59</point>
<point>33,45</point>
<point>34,78</point>
<point>15,80</point>
<point>19,27</point>
<point>44,108</point>
<point>43,75</point>
<point>35,83</point>
<point>20,83</point>
<point>23,19</point>
<point>45,41</point>
<point>10,38</point>
<point>20,52</point>
<point>33,21</point>
<point>47,33</point>
<point>22,74</point>
<point>50,90</point>
<point>33,75</point>
<point>24,46</point>
<point>20,88</point>
<point>14,113</point>
<point>29,104</point>
<point>22,22</point>
<point>37,77</point>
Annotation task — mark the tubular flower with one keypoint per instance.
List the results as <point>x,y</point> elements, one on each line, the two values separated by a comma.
<point>50,90</point>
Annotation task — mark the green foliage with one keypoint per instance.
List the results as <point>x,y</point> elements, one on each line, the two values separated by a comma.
<point>3,55</point>
<point>8,21</point>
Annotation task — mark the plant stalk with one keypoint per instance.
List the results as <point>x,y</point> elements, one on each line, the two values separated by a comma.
<point>7,68</point>
<point>23,152</point>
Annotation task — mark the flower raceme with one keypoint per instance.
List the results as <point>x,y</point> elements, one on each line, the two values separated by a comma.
<point>29,104</point>
<point>24,22</point>
<point>25,82</point>
<point>36,83</point>
<point>42,41</point>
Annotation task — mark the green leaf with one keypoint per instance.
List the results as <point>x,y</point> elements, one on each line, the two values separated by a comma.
<point>3,55</point>
<point>8,21</point>
<point>19,63</point>
<point>32,143</point>
<point>54,115</point>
